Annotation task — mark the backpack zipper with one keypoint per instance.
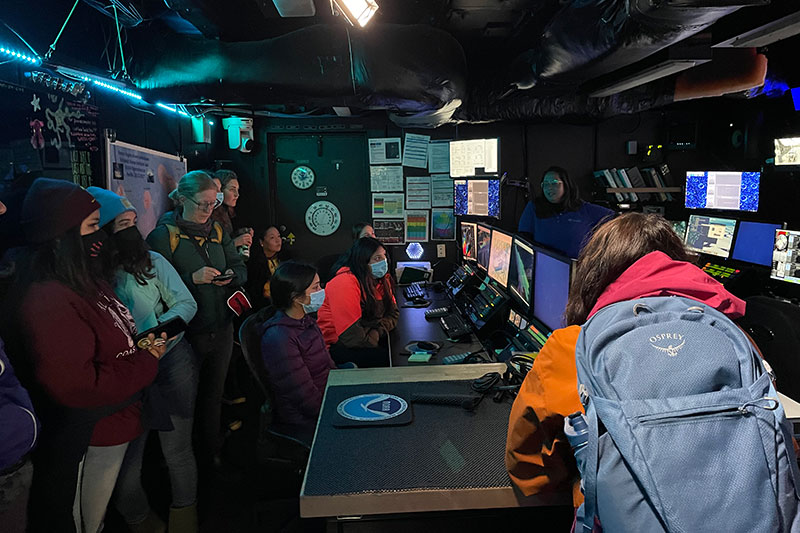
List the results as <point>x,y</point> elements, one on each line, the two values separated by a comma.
<point>729,410</point>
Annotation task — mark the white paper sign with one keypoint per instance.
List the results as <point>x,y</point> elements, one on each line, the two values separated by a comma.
<point>441,190</point>
<point>418,192</point>
<point>466,157</point>
<point>386,178</point>
<point>388,205</point>
<point>415,151</point>
<point>384,151</point>
<point>439,157</point>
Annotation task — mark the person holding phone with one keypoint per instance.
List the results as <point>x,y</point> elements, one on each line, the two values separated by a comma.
<point>360,308</point>
<point>293,349</point>
<point>72,344</point>
<point>153,291</point>
<point>206,260</point>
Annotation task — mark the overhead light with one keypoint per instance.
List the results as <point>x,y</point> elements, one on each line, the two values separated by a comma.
<point>414,250</point>
<point>19,56</point>
<point>765,34</point>
<point>356,12</point>
<point>661,70</point>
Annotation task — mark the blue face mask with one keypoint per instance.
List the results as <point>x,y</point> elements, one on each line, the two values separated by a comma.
<point>380,268</point>
<point>316,301</point>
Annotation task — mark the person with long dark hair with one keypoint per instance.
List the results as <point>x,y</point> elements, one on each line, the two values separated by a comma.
<point>360,308</point>
<point>204,256</point>
<point>225,212</point>
<point>153,291</point>
<point>632,256</point>
<point>559,218</point>
<point>294,352</point>
<point>265,258</point>
<point>74,350</point>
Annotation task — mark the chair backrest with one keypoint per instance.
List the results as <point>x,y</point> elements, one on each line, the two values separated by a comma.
<point>250,338</point>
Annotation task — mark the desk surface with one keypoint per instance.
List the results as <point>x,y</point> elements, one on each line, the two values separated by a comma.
<point>450,478</point>
<point>413,326</point>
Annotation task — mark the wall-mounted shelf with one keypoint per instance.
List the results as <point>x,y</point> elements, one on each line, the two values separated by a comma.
<point>643,189</point>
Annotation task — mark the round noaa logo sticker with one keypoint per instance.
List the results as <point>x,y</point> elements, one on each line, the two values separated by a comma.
<point>372,407</point>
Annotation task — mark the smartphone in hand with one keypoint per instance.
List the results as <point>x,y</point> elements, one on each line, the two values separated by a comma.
<point>171,327</point>
<point>223,277</point>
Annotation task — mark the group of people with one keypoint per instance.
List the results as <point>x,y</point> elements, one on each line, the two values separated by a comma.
<point>82,388</point>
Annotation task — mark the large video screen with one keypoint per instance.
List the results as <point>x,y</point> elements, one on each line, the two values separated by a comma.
<point>786,256</point>
<point>484,237</point>
<point>754,242</point>
<point>477,197</point>
<point>735,191</point>
<point>710,235</point>
<point>500,257</point>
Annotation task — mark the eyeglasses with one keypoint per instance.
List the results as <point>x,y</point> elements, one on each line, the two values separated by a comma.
<point>205,206</point>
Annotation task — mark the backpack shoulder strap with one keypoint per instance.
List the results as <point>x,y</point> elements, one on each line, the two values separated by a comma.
<point>218,229</point>
<point>174,237</point>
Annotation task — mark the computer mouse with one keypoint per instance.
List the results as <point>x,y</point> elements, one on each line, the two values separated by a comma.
<point>419,301</point>
<point>427,346</point>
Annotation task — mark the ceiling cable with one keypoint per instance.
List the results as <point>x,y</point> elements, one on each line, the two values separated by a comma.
<point>53,46</point>
<point>119,39</point>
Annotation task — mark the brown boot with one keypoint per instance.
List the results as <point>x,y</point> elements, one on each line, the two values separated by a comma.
<point>151,524</point>
<point>183,519</point>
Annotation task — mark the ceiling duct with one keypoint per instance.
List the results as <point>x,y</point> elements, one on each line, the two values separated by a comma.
<point>765,34</point>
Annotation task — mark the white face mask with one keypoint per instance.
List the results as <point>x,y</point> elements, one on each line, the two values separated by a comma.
<point>220,199</point>
<point>316,301</point>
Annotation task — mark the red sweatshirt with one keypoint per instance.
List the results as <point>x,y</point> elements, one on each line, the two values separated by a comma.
<point>85,356</point>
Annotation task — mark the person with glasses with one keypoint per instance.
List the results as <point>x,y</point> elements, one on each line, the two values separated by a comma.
<point>207,261</point>
<point>559,218</point>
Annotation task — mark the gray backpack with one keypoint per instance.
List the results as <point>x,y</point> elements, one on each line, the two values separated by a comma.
<point>685,430</point>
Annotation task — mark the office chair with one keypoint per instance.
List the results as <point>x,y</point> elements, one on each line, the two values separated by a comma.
<point>274,448</point>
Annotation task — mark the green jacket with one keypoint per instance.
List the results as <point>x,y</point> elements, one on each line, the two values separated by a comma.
<point>212,308</point>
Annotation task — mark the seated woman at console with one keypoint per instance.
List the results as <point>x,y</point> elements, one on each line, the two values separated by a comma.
<point>630,257</point>
<point>293,349</point>
<point>560,219</point>
<point>360,308</point>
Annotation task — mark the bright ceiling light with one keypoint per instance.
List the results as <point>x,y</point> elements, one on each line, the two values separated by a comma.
<point>356,12</point>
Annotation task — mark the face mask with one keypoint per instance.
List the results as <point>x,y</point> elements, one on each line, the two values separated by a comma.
<point>220,198</point>
<point>379,269</point>
<point>316,301</point>
<point>93,243</point>
<point>128,240</point>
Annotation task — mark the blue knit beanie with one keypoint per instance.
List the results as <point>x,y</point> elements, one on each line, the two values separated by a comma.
<point>111,204</point>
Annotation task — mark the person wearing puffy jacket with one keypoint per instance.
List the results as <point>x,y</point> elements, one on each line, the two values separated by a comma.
<point>293,349</point>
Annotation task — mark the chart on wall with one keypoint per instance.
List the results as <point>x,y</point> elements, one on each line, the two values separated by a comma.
<point>145,177</point>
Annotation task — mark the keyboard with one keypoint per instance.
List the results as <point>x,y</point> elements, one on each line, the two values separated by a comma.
<point>454,326</point>
<point>414,290</point>
<point>455,358</point>
<point>437,313</point>
<point>719,272</point>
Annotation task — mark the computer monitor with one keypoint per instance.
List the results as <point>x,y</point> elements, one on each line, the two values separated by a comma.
<point>754,242</point>
<point>786,256</point>
<point>500,257</point>
<point>710,235</point>
<point>787,152</point>
<point>477,197</point>
<point>484,240</point>
<point>680,227</point>
<point>551,279</point>
<point>469,250</point>
<point>474,157</point>
<point>520,275</point>
<point>735,191</point>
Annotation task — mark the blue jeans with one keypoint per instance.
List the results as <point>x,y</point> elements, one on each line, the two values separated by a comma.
<point>177,381</point>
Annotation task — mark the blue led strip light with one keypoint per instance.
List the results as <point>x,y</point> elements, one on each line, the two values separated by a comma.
<point>13,54</point>
<point>113,88</point>
<point>173,108</point>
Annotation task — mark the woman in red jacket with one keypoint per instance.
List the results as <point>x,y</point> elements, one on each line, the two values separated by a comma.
<point>633,256</point>
<point>80,361</point>
<point>360,307</point>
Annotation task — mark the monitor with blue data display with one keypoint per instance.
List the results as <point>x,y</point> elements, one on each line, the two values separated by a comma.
<point>754,242</point>
<point>500,257</point>
<point>551,279</point>
<point>710,235</point>
<point>520,276</point>
<point>477,197</point>
<point>722,189</point>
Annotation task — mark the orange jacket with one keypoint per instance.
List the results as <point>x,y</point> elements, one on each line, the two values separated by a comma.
<point>538,456</point>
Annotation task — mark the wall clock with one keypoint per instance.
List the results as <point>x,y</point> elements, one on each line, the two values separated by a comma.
<point>303,177</point>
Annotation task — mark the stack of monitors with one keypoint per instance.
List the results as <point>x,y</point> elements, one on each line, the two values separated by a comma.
<point>551,281</point>
<point>736,191</point>
<point>786,256</point>
<point>500,257</point>
<point>710,235</point>
<point>520,275</point>
<point>754,242</point>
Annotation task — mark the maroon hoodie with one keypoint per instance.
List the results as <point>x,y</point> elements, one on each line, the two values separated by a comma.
<point>657,275</point>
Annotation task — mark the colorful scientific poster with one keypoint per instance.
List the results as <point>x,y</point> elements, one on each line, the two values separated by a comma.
<point>145,177</point>
<point>443,225</point>
<point>389,205</point>
<point>417,226</point>
<point>390,231</point>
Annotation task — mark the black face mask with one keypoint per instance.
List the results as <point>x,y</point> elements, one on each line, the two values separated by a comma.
<point>93,243</point>
<point>128,239</point>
